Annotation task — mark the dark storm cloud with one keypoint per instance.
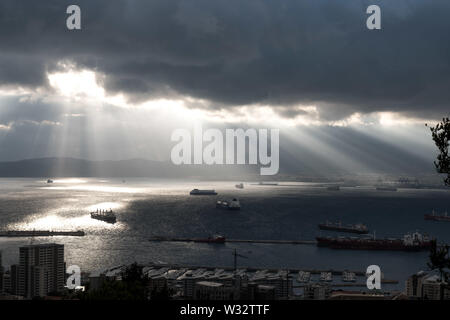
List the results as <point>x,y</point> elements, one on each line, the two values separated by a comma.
<point>242,52</point>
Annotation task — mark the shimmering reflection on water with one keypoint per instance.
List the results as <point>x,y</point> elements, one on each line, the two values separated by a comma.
<point>146,208</point>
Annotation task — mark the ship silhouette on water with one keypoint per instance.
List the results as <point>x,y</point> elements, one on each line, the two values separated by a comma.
<point>338,226</point>
<point>198,192</point>
<point>409,242</point>
<point>435,217</point>
<point>104,215</point>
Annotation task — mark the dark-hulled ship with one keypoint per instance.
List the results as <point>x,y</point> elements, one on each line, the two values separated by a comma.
<point>351,228</point>
<point>212,239</point>
<point>198,192</point>
<point>104,215</point>
<point>409,242</point>
<point>435,217</point>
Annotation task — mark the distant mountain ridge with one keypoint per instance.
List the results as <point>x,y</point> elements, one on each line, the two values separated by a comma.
<point>72,167</point>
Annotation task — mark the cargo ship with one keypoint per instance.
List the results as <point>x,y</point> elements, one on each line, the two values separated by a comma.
<point>103,215</point>
<point>409,242</point>
<point>435,217</point>
<point>198,192</point>
<point>356,228</point>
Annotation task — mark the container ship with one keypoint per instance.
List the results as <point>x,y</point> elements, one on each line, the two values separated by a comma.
<point>198,192</point>
<point>356,228</point>
<point>103,215</point>
<point>435,217</point>
<point>409,242</point>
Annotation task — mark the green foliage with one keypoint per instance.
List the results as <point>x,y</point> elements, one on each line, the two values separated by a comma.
<point>133,286</point>
<point>441,137</point>
<point>440,260</point>
<point>163,294</point>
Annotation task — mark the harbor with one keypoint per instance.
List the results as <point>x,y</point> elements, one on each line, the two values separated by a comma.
<point>223,240</point>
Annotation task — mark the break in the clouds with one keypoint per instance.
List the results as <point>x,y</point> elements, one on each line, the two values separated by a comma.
<point>230,53</point>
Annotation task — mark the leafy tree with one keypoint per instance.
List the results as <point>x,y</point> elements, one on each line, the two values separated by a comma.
<point>440,260</point>
<point>162,294</point>
<point>441,137</point>
<point>439,255</point>
<point>134,286</point>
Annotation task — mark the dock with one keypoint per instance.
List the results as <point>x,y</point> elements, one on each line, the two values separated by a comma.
<point>40,233</point>
<point>164,239</point>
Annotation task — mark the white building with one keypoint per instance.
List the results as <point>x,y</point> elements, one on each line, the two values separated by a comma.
<point>316,291</point>
<point>414,285</point>
<point>434,289</point>
<point>208,290</point>
<point>427,286</point>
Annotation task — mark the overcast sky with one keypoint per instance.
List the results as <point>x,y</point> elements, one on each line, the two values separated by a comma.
<point>138,69</point>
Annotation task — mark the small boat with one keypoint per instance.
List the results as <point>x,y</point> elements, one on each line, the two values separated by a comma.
<point>49,181</point>
<point>333,188</point>
<point>240,186</point>
<point>198,192</point>
<point>234,204</point>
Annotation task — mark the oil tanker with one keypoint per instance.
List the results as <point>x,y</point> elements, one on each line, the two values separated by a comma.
<point>356,228</point>
<point>409,242</point>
